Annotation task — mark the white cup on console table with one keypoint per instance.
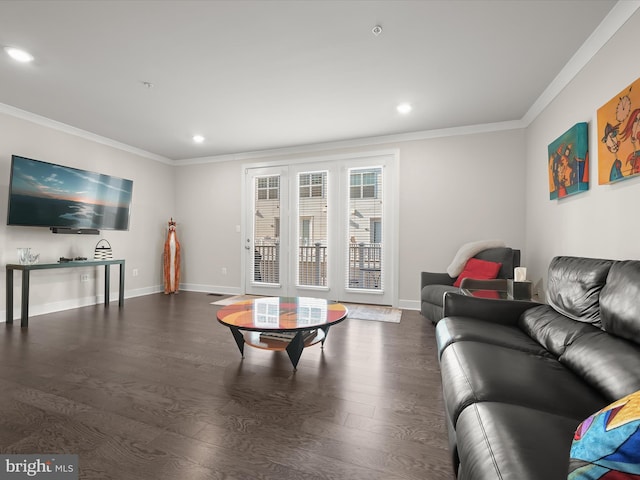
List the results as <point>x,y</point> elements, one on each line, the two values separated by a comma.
<point>520,274</point>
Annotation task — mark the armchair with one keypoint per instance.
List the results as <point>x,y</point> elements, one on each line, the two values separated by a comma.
<point>433,285</point>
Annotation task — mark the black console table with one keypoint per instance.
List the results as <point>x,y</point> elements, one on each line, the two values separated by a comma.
<point>26,270</point>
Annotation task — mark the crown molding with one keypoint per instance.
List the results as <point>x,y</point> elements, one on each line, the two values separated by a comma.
<point>63,127</point>
<point>356,143</point>
<point>615,19</point>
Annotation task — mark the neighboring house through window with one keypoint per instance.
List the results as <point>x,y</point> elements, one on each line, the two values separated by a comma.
<point>363,184</point>
<point>312,185</point>
<point>375,229</point>
<point>306,230</point>
<point>268,188</point>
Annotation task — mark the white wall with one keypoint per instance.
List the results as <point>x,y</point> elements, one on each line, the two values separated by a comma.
<point>453,190</point>
<point>208,209</point>
<point>141,246</point>
<point>456,190</point>
<point>602,222</point>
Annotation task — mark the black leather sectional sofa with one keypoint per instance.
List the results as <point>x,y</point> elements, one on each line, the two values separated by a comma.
<point>519,377</point>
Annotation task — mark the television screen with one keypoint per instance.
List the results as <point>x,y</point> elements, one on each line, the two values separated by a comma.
<point>48,195</point>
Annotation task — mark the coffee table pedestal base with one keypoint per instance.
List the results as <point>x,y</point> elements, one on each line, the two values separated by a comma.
<point>294,347</point>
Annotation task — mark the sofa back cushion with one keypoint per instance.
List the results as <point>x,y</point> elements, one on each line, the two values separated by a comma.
<point>508,257</point>
<point>620,301</point>
<point>574,286</point>
<point>551,329</point>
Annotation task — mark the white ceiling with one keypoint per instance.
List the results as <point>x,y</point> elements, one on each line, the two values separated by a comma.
<point>256,75</point>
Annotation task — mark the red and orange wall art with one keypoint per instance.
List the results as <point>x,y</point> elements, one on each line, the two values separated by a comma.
<point>619,136</point>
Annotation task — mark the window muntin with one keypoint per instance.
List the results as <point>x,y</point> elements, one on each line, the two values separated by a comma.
<point>363,184</point>
<point>312,185</point>
<point>268,188</point>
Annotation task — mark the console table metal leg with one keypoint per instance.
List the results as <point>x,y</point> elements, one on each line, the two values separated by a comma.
<point>24,307</point>
<point>107,282</point>
<point>294,349</point>
<point>9,302</point>
<point>121,291</point>
<point>239,339</point>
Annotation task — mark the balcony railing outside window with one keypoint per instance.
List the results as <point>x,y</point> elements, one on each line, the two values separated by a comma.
<point>312,265</point>
<point>364,269</point>
<point>365,266</point>
<point>267,264</point>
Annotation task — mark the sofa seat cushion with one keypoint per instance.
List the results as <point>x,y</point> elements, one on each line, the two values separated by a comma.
<point>456,329</point>
<point>608,363</point>
<point>553,331</point>
<point>481,372</point>
<point>434,294</point>
<point>512,442</point>
<point>431,312</point>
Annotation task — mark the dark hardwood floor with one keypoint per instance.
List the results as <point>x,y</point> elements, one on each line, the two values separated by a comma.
<point>158,390</point>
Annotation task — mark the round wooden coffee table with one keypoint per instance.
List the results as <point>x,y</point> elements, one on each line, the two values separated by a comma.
<point>281,323</point>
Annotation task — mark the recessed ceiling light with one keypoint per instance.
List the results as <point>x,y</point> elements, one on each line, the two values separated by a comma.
<point>19,55</point>
<point>198,138</point>
<point>404,108</point>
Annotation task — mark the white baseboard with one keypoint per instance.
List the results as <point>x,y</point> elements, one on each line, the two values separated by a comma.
<point>226,290</point>
<point>138,292</point>
<point>409,304</point>
<point>52,307</point>
<point>35,310</point>
<point>194,287</point>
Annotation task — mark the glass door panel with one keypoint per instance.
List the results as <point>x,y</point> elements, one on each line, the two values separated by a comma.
<point>365,239</point>
<point>266,265</point>
<point>267,237</point>
<point>312,240</point>
<point>323,230</point>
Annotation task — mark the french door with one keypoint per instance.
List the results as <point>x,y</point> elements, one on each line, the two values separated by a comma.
<point>320,230</point>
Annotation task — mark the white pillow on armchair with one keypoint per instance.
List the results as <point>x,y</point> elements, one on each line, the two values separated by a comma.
<point>468,250</point>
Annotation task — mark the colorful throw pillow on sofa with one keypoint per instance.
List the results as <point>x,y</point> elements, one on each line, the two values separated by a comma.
<point>478,269</point>
<point>606,446</point>
<point>468,250</point>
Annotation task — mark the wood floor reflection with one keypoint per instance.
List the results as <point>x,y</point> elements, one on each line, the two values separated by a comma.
<point>158,390</point>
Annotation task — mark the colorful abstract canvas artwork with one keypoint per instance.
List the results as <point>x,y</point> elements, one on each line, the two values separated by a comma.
<point>606,446</point>
<point>569,163</point>
<point>619,136</point>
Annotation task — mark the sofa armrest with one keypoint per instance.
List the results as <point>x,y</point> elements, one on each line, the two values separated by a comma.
<point>498,284</point>
<point>430,278</point>
<point>505,312</point>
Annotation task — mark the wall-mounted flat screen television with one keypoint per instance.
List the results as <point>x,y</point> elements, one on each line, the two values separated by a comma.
<point>43,194</point>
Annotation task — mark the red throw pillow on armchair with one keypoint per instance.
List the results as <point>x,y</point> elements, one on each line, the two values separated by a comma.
<point>478,269</point>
